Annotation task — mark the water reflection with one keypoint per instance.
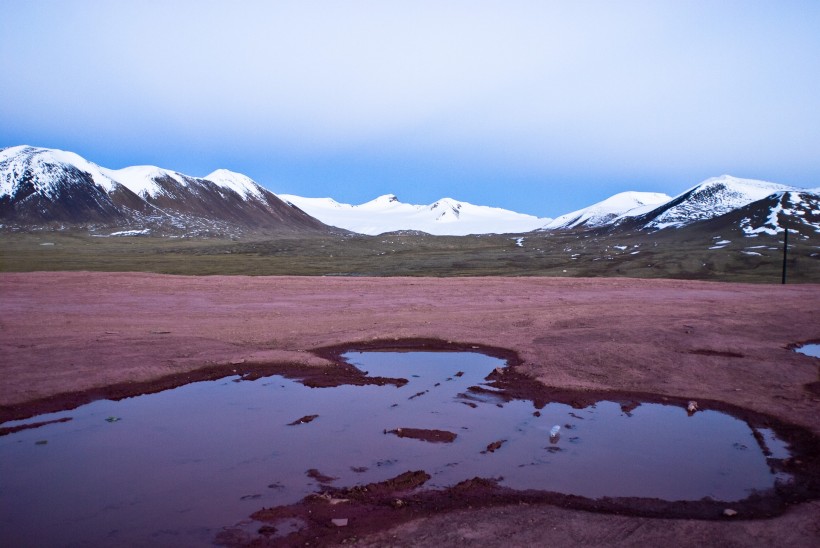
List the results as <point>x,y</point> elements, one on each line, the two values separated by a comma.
<point>809,350</point>
<point>174,467</point>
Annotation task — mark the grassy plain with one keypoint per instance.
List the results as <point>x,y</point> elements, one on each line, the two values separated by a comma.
<point>666,254</point>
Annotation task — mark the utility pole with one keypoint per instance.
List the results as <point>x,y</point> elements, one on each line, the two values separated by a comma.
<point>785,252</point>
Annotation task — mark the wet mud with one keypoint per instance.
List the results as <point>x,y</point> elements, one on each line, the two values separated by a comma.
<point>29,426</point>
<point>428,435</point>
<point>375,507</point>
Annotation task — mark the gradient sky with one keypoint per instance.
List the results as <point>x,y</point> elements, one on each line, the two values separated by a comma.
<point>537,106</point>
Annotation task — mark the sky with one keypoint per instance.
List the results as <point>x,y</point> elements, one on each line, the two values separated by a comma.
<point>541,107</point>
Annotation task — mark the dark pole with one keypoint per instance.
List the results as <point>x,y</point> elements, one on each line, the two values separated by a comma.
<point>785,252</point>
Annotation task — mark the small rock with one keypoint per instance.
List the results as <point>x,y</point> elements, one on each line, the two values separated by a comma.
<point>494,446</point>
<point>327,497</point>
<point>729,513</point>
<point>339,522</point>
<point>318,476</point>
<point>691,407</point>
<point>267,530</point>
<point>304,420</point>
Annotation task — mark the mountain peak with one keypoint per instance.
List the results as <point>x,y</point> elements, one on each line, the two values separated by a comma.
<point>144,180</point>
<point>239,183</point>
<point>40,164</point>
<point>606,211</point>
<point>8,152</point>
<point>731,181</point>
<point>712,198</point>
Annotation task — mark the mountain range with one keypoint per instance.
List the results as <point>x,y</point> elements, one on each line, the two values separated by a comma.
<point>50,188</point>
<point>55,188</point>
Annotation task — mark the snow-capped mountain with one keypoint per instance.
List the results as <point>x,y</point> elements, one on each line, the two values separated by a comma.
<point>754,206</point>
<point>143,180</point>
<point>795,210</point>
<point>46,187</point>
<point>751,205</point>
<point>711,198</point>
<point>443,217</point>
<point>239,183</point>
<point>16,161</point>
<point>606,211</point>
<point>42,186</point>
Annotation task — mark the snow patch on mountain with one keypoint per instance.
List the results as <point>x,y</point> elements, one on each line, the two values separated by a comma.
<point>383,203</point>
<point>605,212</point>
<point>143,180</point>
<point>798,207</point>
<point>712,198</point>
<point>387,213</point>
<point>41,167</point>
<point>237,182</point>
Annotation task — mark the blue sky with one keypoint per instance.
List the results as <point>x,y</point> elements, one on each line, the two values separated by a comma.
<point>541,107</point>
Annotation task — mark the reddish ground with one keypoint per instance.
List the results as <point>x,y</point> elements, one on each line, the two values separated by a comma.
<point>68,337</point>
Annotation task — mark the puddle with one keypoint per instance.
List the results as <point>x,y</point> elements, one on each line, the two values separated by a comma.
<point>173,468</point>
<point>812,350</point>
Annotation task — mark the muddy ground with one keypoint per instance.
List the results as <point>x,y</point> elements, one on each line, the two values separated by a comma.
<point>67,338</point>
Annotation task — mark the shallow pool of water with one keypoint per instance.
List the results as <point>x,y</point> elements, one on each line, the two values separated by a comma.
<point>809,350</point>
<point>174,467</point>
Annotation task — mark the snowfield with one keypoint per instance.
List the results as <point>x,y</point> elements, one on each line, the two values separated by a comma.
<point>443,217</point>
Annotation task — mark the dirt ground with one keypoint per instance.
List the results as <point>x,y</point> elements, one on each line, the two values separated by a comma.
<point>66,338</point>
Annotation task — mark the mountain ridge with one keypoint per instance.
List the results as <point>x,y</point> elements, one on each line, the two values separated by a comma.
<point>607,210</point>
<point>715,202</point>
<point>49,187</point>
